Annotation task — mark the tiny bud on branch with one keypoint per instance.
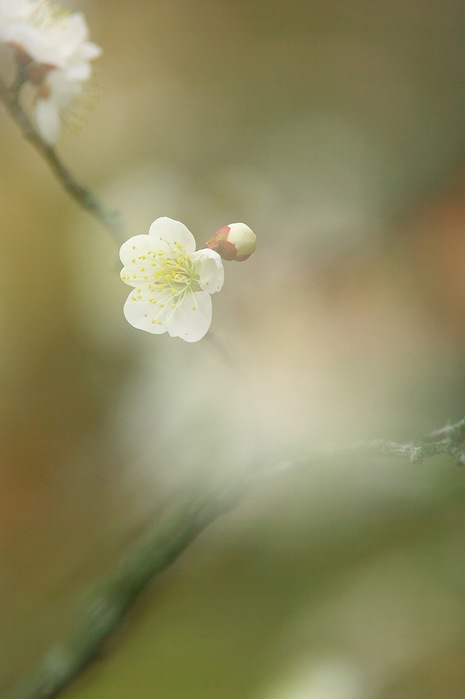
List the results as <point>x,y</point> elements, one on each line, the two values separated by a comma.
<point>233,242</point>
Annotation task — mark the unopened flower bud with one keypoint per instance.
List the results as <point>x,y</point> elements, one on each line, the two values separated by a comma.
<point>234,242</point>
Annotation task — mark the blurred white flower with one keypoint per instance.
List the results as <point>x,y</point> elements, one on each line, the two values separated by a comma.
<point>48,34</point>
<point>331,678</point>
<point>53,51</point>
<point>172,283</point>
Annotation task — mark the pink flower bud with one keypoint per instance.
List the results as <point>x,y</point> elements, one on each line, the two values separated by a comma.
<point>233,242</point>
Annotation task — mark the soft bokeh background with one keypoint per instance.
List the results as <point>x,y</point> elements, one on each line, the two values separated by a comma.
<point>336,130</point>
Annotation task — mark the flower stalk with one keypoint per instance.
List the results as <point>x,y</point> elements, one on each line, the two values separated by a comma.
<point>52,53</point>
<point>84,196</point>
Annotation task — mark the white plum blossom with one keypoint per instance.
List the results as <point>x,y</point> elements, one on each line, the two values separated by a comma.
<point>54,53</point>
<point>172,282</point>
<point>48,34</point>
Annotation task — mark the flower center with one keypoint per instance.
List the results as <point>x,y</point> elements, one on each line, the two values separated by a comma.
<point>165,274</point>
<point>173,272</point>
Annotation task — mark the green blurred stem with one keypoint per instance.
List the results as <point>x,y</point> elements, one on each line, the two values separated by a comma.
<point>107,606</point>
<point>174,532</point>
<point>85,198</point>
<point>448,440</point>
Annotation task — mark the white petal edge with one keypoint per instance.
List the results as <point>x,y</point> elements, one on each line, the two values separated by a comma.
<point>37,46</point>
<point>140,315</point>
<point>47,120</point>
<point>209,267</point>
<point>79,71</point>
<point>188,324</point>
<point>71,33</point>
<point>87,52</point>
<point>168,230</point>
<point>135,246</point>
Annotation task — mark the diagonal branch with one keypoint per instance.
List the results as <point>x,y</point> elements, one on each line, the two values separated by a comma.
<point>108,606</point>
<point>173,534</point>
<point>85,198</point>
<point>448,440</point>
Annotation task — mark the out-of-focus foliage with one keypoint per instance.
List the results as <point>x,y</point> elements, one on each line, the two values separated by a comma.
<point>335,130</point>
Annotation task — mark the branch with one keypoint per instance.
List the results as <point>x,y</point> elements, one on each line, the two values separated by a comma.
<point>448,440</point>
<point>173,534</point>
<point>85,198</point>
<point>109,605</point>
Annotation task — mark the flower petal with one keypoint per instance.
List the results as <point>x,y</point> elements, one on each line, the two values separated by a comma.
<point>148,313</point>
<point>63,87</point>
<point>47,120</point>
<point>70,33</point>
<point>138,245</point>
<point>192,318</point>
<point>36,46</point>
<point>79,71</point>
<point>132,275</point>
<point>169,232</point>
<point>46,35</point>
<point>209,267</point>
<point>87,52</point>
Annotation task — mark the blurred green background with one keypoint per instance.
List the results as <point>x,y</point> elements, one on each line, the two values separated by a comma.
<point>336,130</point>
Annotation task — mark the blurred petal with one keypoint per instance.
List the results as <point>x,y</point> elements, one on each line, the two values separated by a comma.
<point>47,120</point>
